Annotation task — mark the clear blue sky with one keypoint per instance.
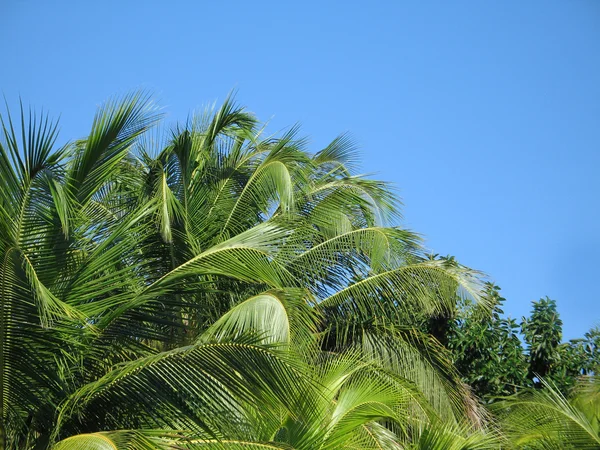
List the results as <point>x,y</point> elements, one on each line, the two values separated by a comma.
<point>486,115</point>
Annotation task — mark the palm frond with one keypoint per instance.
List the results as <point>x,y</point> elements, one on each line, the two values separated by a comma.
<point>544,418</point>
<point>116,126</point>
<point>205,387</point>
<point>429,285</point>
<point>277,316</point>
<point>123,440</point>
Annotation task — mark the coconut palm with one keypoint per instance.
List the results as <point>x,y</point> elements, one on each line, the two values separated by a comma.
<point>168,284</point>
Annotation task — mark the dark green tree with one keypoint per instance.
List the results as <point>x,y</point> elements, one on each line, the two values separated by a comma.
<point>487,349</point>
<point>592,351</point>
<point>578,357</point>
<point>543,334</point>
<point>573,364</point>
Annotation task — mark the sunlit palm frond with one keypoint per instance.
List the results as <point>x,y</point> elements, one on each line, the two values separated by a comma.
<point>277,316</point>
<point>545,418</point>
<point>440,436</point>
<point>429,285</point>
<point>124,440</point>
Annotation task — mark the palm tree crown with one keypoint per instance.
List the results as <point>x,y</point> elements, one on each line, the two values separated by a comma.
<point>212,287</point>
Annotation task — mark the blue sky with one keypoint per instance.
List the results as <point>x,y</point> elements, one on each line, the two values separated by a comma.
<point>486,115</point>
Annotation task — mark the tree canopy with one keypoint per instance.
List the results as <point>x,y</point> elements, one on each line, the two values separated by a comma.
<point>210,286</point>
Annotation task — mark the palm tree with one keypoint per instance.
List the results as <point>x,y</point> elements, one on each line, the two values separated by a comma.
<point>546,419</point>
<point>169,284</point>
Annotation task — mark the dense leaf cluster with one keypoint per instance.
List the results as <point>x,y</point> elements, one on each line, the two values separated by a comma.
<point>487,349</point>
<point>497,356</point>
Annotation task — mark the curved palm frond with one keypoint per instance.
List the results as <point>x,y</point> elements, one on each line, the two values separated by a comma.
<point>124,440</point>
<point>429,285</point>
<point>205,388</point>
<point>277,316</point>
<point>544,418</point>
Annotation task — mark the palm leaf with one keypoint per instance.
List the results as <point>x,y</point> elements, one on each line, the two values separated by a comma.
<point>547,419</point>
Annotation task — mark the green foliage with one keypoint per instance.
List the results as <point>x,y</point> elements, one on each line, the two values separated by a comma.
<point>488,353</point>
<point>591,348</point>
<point>578,357</point>
<point>210,287</point>
<point>487,349</point>
<point>543,334</point>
